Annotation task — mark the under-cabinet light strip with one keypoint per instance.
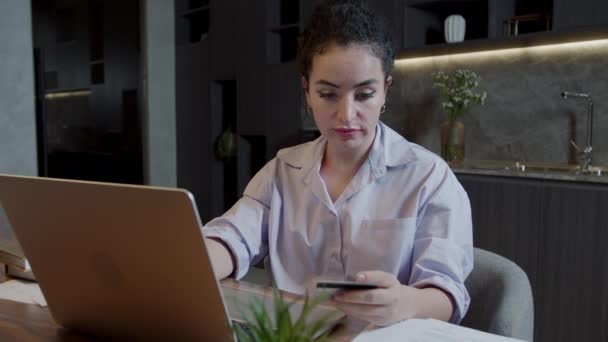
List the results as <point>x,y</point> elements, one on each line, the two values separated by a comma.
<point>507,53</point>
<point>63,94</point>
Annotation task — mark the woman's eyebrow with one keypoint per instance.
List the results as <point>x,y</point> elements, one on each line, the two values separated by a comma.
<point>360,84</point>
<point>366,83</point>
<point>327,83</point>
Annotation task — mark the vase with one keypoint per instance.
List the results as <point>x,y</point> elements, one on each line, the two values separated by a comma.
<point>452,142</point>
<point>454,28</point>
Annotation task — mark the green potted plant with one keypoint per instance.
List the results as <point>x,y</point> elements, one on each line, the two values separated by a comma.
<point>457,94</point>
<point>225,148</point>
<point>279,325</point>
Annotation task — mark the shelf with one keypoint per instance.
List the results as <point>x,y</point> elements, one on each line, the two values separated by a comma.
<point>536,39</point>
<point>192,25</point>
<point>97,73</point>
<point>185,6</point>
<point>197,3</point>
<point>51,80</point>
<point>282,30</point>
<point>527,23</point>
<point>192,12</point>
<point>289,12</point>
<point>426,20</point>
<point>443,5</point>
<point>283,44</point>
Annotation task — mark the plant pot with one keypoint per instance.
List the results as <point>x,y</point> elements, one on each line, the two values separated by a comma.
<point>452,142</point>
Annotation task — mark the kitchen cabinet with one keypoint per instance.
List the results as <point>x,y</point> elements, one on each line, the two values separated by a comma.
<point>579,14</point>
<point>556,231</point>
<point>194,143</point>
<point>423,20</point>
<point>572,284</point>
<point>506,218</point>
<point>235,74</point>
<point>283,107</point>
<point>600,13</point>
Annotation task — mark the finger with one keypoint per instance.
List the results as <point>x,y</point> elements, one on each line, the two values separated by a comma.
<point>380,278</point>
<point>358,310</point>
<point>310,286</point>
<point>377,314</point>
<point>373,297</point>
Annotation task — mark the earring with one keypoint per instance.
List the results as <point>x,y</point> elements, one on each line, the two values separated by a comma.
<point>383,109</point>
<point>308,109</point>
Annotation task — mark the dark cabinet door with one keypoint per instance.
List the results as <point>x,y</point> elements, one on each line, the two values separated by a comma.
<point>573,279</point>
<point>506,218</point>
<point>568,14</point>
<point>284,106</point>
<point>600,13</point>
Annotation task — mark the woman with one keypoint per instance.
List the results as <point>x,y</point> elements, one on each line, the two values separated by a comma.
<point>360,202</point>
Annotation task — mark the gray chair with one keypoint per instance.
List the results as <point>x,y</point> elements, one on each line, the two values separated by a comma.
<point>501,297</point>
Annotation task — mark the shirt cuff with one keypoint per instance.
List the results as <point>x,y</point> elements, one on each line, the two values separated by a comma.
<point>460,296</point>
<point>236,246</point>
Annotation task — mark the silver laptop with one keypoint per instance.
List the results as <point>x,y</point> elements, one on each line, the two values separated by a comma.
<point>118,261</point>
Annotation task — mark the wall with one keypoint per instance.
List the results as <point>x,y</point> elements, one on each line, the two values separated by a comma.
<point>524,117</point>
<point>17,111</point>
<point>158,42</point>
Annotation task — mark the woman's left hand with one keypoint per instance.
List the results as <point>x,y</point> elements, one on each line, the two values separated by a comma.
<point>391,303</point>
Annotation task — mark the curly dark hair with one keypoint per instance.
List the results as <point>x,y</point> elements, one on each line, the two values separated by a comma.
<point>345,22</point>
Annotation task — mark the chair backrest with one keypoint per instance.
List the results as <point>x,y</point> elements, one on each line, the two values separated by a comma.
<point>501,297</point>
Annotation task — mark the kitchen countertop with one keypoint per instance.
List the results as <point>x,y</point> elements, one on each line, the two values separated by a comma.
<point>530,170</point>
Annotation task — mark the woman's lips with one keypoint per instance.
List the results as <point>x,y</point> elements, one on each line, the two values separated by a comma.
<point>346,132</point>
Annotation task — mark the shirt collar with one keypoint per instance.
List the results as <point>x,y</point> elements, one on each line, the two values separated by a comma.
<point>389,149</point>
<point>306,157</point>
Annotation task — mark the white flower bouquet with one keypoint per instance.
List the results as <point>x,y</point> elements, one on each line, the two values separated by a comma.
<point>457,91</point>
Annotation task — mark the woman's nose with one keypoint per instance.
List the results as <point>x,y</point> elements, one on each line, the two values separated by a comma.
<point>346,110</point>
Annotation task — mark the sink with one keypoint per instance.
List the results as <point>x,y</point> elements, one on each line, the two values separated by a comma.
<point>540,167</point>
<point>599,171</point>
<point>565,168</point>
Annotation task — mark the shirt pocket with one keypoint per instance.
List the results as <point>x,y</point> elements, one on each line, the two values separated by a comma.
<point>384,245</point>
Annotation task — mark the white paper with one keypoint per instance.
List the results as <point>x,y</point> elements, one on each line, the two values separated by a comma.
<point>427,330</point>
<point>22,291</point>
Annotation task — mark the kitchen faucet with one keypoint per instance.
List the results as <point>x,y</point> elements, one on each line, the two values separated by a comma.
<point>585,156</point>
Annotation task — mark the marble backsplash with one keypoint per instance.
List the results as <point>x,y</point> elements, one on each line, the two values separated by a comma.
<point>524,118</point>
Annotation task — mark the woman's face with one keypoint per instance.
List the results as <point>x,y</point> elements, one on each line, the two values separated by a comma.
<point>346,91</point>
